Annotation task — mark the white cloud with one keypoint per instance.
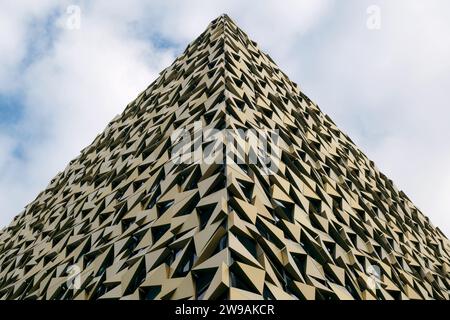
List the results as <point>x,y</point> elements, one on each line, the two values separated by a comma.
<point>70,93</point>
<point>385,88</point>
<point>15,17</point>
<point>388,90</point>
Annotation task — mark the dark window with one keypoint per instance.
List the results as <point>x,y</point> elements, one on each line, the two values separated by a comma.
<point>223,242</point>
<point>154,197</point>
<point>237,282</point>
<point>315,205</point>
<point>158,232</point>
<point>137,279</point>
<point>106,263</point>
<point>247,189</point>
<point>202,281</point>
<point>186,262</point>
<point>249,244</point>
<point>204,213</point>
<point>163,207</point>
<point>150,293</point>
<point>267,295</point>
<point>285,210</point>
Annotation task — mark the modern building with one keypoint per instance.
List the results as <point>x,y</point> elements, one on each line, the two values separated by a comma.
<point>222,180</point>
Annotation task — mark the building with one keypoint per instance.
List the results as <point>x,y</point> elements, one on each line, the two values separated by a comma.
<point>222,180</point>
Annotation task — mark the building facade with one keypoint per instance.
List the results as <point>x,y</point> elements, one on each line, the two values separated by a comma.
<point>222,180</point>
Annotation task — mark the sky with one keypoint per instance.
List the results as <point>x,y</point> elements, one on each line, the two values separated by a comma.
<point>379,69</point>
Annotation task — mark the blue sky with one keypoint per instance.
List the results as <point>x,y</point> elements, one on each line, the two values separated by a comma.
<point>387,88</point>
<point>11,108</point>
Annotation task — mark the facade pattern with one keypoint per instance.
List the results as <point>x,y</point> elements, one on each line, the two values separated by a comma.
<point>127,219</point>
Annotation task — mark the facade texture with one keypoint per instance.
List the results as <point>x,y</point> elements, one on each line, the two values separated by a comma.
<point>127,220</point>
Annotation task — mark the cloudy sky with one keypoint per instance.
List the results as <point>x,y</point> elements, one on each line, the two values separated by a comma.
<point>380,69</point>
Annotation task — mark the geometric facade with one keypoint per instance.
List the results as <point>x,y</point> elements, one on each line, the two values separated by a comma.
<point>285,207</point>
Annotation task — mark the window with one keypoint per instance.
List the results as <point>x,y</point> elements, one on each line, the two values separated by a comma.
<point>138,184</point>
<point>186,263</point>
<point>158,232</point>
<point>238,282</point>
<point>106,263</point>
<point>137,279</point>
<point>204,213</point>
<point>202,280</point>
<point>247,189</point>
<point>267,294</point>
<point>315,205</point>
<point>222,244</point>
<point>163,207</point>
<point>249,244</point>
<point>284,209</point>
<point>150,293</point>
<point>156,194</point>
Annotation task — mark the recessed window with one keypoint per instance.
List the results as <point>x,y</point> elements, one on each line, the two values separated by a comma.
<point>204,213</point>
<point>202,280</point>
<point>150,293</point>
<point>158,232</point>
<point>164,206</point>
